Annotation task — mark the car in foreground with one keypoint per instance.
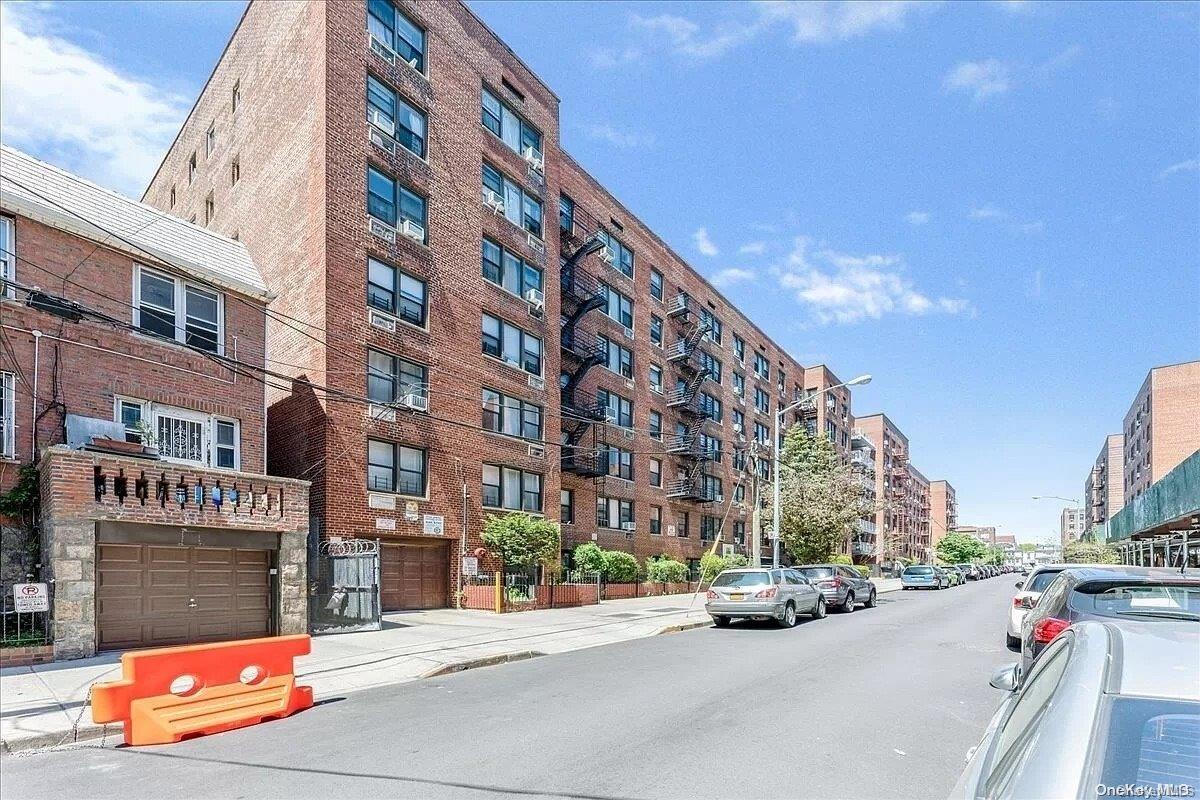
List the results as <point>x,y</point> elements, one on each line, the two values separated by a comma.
<point>844,587</point>
<point>922,576</point>
<point>1137,594</point>
<point>1110,704</point>
<point>774,594</point>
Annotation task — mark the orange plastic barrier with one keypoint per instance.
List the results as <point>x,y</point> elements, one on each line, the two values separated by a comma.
<point>172,692</point>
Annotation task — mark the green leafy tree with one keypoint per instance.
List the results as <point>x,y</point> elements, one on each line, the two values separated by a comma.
<point>1089,553</point>
<point>665,570</point>
<point>960,548</point>
<point>821,499</point>
<point>620,567</point>
<point>521,540</point>
<point>1028,547</point>
<point>712,565</point>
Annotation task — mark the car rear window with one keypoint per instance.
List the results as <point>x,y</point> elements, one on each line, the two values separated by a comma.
<point>1040,581</point>
<point>1152,742</point>
<point>743,579</point>
<point>1135,599</point>
<point>918,570</point>
<point>817,572</point>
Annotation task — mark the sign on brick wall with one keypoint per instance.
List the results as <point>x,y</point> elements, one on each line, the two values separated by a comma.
<point>31,597</point>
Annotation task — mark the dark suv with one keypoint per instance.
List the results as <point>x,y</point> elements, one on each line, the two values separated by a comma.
<point>842,586</point>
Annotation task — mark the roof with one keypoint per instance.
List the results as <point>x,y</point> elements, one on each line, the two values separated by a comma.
<point>1093,572</point>
<point>57,198</point>
<point>1152,659</point>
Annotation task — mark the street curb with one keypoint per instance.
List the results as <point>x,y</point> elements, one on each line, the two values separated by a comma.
<point>476,663</point>
<point>686,626</point>
<point>54,740</point>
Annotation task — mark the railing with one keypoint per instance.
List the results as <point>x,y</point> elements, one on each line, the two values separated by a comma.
<point>679,306</point>
<point>24,628</point>
<point>582,404</point>
<point>582,344</point>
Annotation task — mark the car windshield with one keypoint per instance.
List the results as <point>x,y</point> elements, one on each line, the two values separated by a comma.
<point>817,572</point>
<point>1151,743</point>
<point>1040,581</point>
<point>1175,600</point>
<point>743,579</point>
<point>918,570</point>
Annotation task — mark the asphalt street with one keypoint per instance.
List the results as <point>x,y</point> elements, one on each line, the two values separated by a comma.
<point>880,703</point>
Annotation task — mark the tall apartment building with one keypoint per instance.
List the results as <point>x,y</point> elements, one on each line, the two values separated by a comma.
<point>831,415</point>
<point>1162,426</point>
<point>985,534</point>
<point>894,523</point>
<point>943,510</point>
<point>1071,525</point>
<point>1104,489</point>
<point>863,463</point>
<point>442,264</point>
<point>918,501</point>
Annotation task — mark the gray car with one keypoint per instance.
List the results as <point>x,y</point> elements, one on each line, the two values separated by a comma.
<point>844,587</point>
<point>775,594</point>
<point>1109,704</point>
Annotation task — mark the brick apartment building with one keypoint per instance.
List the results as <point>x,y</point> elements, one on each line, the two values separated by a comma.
<point>984,533</point>
<point>1071,525</point>
<point>156,523</point>
<point>1161,427</point>
<point>1104,489</point>
<point>943,510</point>
<point>523,335</point>
<point>864,463</point>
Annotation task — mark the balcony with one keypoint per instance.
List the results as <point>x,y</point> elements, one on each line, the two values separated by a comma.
<point>694,489</point>
<point>582,345</point>
<point>585,463</point>
<point>680,307</point>
<point>583,405</point>
<point>862,548</point>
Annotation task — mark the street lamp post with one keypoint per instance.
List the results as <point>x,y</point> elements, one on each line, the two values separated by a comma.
<point>775,510</point>
<point>1071,500</point>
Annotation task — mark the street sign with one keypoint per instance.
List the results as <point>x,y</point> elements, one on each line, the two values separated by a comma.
<point>470,565</point>
<point>31,597</point>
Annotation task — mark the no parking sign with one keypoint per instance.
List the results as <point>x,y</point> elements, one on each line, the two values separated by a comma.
<point>31,597</point>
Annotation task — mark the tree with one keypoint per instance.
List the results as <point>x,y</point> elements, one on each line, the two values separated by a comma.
<point>522,541</point>
<point>1089,553</point>
<point>712,565</point>
<point>665,570</point>
<point>960,548</point>
<point>588,557</point>
<point>821,499</point>
<point>1028,547</point>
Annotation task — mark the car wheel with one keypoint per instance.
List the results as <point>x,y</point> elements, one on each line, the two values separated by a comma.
<point>721,622</point>
<point>848,606</point>
<point>1012,642</point>
<point>819,609</point>
<point>789,615</point>
<point>872,601</point>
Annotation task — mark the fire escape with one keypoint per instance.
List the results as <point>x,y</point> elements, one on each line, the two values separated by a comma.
<point>898,498</point>
<point>684,400</point>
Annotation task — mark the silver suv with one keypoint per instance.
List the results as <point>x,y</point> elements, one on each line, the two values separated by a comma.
<point>778,594</point>
<point>844,587</point>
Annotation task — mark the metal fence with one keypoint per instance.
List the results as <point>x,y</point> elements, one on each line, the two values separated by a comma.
<point>344,587</point>
<point>24,628</point>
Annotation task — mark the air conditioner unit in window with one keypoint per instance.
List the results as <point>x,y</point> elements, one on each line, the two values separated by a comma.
<point>718,498</point>
<point>385,143</point>
<point>413,230</point>
<point>382,413</point>
<point>381,230</point>
<point>537,302</point>
<point>379,121</point>
<point>537,383</point>
<point>417,402</point>
<point>412,62</point>
<point>737,428</point>
<point>537,450</point>
<point>383,51</point>
<point>629,526</point>
<point>627,433</point>
<point>535,243</point>
<point>383,322</point>
<point>607,255</point>
<point>493,201</point>
<point>534,159</point>
<point>629,384</point>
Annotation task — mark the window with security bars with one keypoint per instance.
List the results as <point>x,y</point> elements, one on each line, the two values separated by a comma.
<point>396,292</point>
<point>394,467</point>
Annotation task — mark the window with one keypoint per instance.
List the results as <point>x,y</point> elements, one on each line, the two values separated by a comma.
<point>739,348</point>
<point>656,284</point>
<point>656,425</point>
<point>656,378</point>
<point>210,140</point>
<point>619,409</point>
<point>620,463</point>
<point>618,359</point>
<point>8,255</point>
<point>393,203</point>
<point>682,528</point>
<point>710,445</point>
<point>509,271</point>
<point>739,384</point>
<point>393,467</point>
<point>762,367</point>
<point>192,168</point>
<point>739,421</point>
<point>831,430</point>
<point>656,520</point>
<point>181,434</point>
<point>520,208</point>
<point>511,416</point>
<point>172,195</point>
<point>739,532</point>
<point>210,208</point>
<point>617,306</point>
<point>8,415</point>
<point>175,309</point>
<point>387,24</point>
<point>236,99</point>
<point>708,528</point>
<point>392,114</point>
<point>612,512</point>
<point>656,330</point>
<point>713,365</point>
<point>739,460</point>
<point>396,292</point>
<point>622,255</point>
<point>390,378</point>
<point>710,486</point>
<point>235,170</point>
<point>514,489</point>
<point>655,472</point>
<point>509,343</point>
<point>566,506</point>
<point>566,214</point>
<point>762,434</point>
<point>131,414</point>
<point>762,400</point>
<point>739,493</point>
<point>714,325</point>
<point>225,444</point>
<point>514,131</point>
<point>710,406</point>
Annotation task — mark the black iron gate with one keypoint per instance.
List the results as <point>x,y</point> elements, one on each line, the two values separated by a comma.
<point>344,587</point>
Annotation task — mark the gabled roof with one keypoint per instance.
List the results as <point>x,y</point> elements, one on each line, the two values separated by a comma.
<point>55,197</point>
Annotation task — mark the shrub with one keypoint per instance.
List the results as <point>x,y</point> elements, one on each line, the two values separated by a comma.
<point>665,570</point>
<point>521,540</point>
<point>712,565</point>
<point>588,557</point>
<point>620,567</point>
<point>841,559</point>
<point>863,570</point>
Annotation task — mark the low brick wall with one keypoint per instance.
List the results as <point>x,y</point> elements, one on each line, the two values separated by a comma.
<point>26,656</point>
<point>654,589</point>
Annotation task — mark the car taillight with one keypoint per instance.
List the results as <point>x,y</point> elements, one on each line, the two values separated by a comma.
<point>1022,602</point>
<point>837,582</point>
<point>712,595</point>
<point>766,594</point>
<point>1046,629</point>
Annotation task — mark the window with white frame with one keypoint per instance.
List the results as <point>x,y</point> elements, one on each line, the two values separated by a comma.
<point>181,434</point>
<point>506,341</point>
<point>622,255</point>
<point>617,306</point>
<point>520,208</point>
<point>512,129</point>
<point>395,116</point>
<point>739,348</point>
<point>8,415</point>
<point>392,202</point>
<point>514,489</point>
<point>656,423</point>
<point>655,472</point>
<point>656,330</point>
<point>618,409</point>
<point>656,378</point>
<point>174,308</point>
<point>393,28</point>
<point>620,463</point>
<point>8,256</point>
<point>656,284</point>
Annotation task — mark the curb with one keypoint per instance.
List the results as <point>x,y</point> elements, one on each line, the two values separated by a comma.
<point>476,663</point>
<point>686,626</point>
<point>54,740</point>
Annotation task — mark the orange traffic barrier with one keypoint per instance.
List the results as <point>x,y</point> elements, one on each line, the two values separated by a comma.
<point>172,692</point>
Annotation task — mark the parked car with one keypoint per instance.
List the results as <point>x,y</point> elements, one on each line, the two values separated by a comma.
<point>777,594</point>
<point>1109,704</point>
<point>923,576</point>
<point>970,571</point>
<point>842,586</point>
<point>1141,594</point>
<point>1028,592</point>
<point>952,575</point>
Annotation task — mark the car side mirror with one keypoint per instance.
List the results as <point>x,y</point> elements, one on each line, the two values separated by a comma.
<point>1020,584</point>
<point>1005,678</point>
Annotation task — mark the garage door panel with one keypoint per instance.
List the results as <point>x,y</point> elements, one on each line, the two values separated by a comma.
<point>414,575</point>
<point>166,556</point>
<point>213,579</point>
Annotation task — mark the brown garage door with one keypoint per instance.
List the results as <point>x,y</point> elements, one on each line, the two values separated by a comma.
<point>153,595</point>
<point>414,575</point>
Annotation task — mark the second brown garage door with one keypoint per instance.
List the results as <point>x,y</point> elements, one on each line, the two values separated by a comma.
<point>414,575</point>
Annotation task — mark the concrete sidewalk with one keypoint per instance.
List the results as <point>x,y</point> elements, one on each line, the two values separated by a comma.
<point>47,705</point>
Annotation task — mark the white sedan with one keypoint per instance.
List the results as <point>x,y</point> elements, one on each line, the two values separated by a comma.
<point>1028,591</point>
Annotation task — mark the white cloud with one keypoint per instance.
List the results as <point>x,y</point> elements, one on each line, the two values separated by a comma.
<point>981,79</point>
<point>1191,165</point>
<point>753,248</point>
<point>67,105</point>
<point>611,57</point>
<point>618,137</point>
<point>732,275</point>
<point>917,217</point>
<point>844,288</point>
<point>1014,6</point>
<point>990,213</point>
<point>837,21</point>
<point>987,211</point>
<point>704,244</point>
<point>685,38</point>
<point>1035,285</point>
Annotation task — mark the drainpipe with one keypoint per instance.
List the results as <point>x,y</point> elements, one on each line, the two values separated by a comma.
<point>37,343</point>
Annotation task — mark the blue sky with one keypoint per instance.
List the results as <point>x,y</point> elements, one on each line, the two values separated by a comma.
<point>991,207</point>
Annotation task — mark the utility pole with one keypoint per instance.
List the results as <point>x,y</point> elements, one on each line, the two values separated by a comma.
<point>756,516</point>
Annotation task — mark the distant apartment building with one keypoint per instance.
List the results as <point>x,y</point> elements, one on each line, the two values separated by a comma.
<point>831,416</point>
<point>1071,524</point>
<point>1104,489</point>
<point>1162,426</point>
<point>985,534</point>
<point>943,510</point>
<point>895,524</point>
